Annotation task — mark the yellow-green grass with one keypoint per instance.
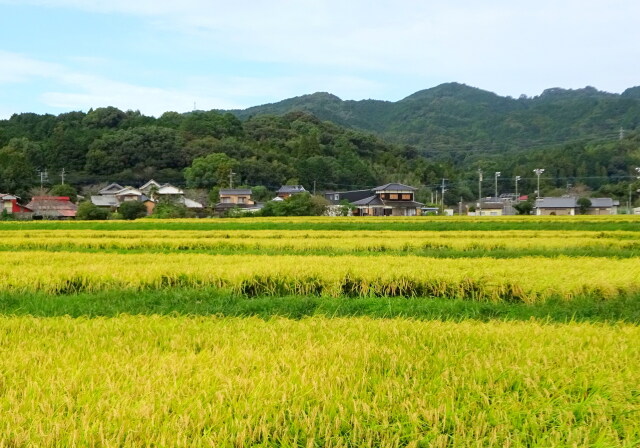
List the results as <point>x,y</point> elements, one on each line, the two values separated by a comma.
<point>595,223</point>
<point>526,279</point>
<point>310,241</point>
<point>168,381</point>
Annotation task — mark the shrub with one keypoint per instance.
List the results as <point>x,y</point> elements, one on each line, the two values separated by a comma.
<point>87,211</point>
<point>132,210</point>
<point>302,204</point>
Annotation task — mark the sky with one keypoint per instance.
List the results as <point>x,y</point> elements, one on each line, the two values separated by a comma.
<point>159,55</point>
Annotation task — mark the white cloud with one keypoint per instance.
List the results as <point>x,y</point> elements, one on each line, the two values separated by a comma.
<point>18,68</point>
<point>508,46</point>
<point>69,89</point>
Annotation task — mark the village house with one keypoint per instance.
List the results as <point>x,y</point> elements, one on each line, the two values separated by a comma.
<point>52,207</point>
<point>568,206</point>
<point>110,189</point>
<point>239,198</point>
<point>391,199</point>
<point>9,204</point>
<point>490,209</point>
<point>286,191</point>
<point>150,193</point>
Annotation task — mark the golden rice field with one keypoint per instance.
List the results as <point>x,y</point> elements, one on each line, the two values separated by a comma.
<point>525,279</point>
<point>185,381</point>
<point>167,381</point>
<point>313,241</point>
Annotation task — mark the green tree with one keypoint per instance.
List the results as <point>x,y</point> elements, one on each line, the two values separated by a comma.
<point>104,117</point>
<point>302,204</point>
<point>524,207</point>
<point>211,123</point>
<point>209,171</point>
<point>260,193</point>
<point>87,211</point>
<point>583,205</point>
<point>132,210</point>
<point>169,209</point>
<point>64,190</point>
<point>137,149</point>
<point>17,174</point>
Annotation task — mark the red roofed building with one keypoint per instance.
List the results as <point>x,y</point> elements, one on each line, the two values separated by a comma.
<point>9,203</point>
<point>52,207</point>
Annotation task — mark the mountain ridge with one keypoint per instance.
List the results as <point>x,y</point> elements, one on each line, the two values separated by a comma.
<point>456,114</point>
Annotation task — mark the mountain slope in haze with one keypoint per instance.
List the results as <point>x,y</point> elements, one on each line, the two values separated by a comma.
<point>456,118</point>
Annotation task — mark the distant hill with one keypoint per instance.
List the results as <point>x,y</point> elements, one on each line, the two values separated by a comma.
<point>458,119</point>
<point>447,132</point>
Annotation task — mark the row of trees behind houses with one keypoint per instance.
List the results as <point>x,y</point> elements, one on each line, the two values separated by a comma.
<point>201,149</point>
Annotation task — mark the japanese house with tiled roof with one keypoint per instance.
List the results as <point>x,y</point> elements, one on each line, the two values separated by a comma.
<point>391,199</point>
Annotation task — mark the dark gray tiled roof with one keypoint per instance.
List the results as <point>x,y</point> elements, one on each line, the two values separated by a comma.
<point>603,202</point>
<point>375,201</point>
<point>291,189</point>
<point>403,204</point>
<point>371,200</point>
<point>394,187</point>
<point>105,201</point>
<point>556,203</point>
<point>110,189</point>
<point>238,191</point>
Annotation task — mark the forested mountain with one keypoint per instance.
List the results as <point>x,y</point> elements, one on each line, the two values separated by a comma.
<point>108,144</point>
<point>447,132</point>
<point>457,122</point>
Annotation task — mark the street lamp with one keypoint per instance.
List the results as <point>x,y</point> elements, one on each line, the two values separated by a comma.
<point>497,175</point>
<point>517,179</point>
<point>538,172</point>
<point>630,193</point>
<point>479,192</point>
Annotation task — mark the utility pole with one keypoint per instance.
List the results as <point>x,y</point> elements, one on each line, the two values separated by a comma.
<point>62,175</point>
<point>231,174</point>
<point>43,177</point>
<point>498,173</point>
<point>479,212</point>
<point>314,187</point>
<point>630,198</point>
<point>621,133</point>
<point>538,172</point>
<point>517,196</point>
<point>442,198</point>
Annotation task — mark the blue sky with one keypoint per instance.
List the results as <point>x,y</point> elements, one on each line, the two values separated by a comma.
<point>158,55</point>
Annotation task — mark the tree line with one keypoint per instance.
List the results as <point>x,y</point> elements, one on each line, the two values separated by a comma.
<point>202,149</point>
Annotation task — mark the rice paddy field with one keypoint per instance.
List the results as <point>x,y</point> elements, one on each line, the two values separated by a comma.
<point>341,332</point>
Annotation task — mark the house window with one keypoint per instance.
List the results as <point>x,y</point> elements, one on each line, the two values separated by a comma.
<point>406,197</point>
<point>241,200</point>
<point>393,196</point>
<point>226,200</point>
